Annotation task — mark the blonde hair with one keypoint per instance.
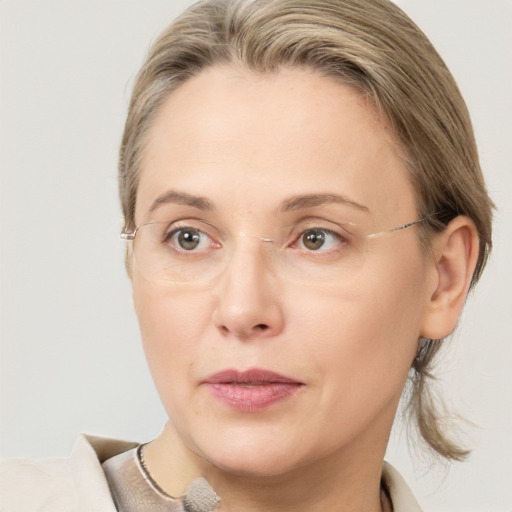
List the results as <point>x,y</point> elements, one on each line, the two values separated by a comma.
<point>370,45</point>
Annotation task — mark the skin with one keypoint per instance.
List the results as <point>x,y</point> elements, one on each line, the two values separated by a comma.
<point>247,143</point>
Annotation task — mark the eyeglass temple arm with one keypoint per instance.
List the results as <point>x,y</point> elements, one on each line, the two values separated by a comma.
<point>399,228</point>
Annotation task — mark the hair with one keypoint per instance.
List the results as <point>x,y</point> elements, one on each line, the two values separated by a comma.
<point>370,45</point>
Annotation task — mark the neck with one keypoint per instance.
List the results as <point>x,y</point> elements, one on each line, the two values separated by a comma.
<point>311,489</point>
<point>343,481</point>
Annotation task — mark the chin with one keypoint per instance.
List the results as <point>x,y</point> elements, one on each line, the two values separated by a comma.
<point>250,453</point>
<point>254,465</point>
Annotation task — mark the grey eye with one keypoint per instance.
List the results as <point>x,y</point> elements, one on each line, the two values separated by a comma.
<point>188,239</point>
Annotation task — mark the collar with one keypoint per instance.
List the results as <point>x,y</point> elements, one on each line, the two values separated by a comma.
<point>85,464</point>
<point>91,451</point>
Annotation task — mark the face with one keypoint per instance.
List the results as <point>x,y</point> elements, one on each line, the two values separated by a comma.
<point>264,368</point>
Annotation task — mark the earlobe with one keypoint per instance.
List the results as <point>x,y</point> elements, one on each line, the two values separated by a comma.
<point>455,253</point>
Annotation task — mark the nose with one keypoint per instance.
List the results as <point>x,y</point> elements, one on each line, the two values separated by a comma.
<point>248,297</point>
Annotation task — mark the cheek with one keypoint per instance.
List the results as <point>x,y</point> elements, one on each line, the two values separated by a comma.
<point>363,339</point>
<point>172,324</point>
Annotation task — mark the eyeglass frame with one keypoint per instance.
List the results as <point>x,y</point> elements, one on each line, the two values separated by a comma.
<point>129,236</point>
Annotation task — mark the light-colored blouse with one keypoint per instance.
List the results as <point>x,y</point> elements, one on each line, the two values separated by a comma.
<point>79,483</point>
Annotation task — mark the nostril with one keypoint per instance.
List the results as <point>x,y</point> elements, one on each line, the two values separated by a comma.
<point>261,327</point>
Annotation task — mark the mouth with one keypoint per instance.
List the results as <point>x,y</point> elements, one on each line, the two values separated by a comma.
<point>251,390</point>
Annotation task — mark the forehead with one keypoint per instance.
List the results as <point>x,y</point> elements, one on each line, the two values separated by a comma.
<point>250,139</point>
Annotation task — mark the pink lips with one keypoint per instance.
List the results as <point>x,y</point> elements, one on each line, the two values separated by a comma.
<point>251,390</point>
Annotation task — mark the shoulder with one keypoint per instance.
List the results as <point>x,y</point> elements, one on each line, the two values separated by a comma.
<point>25,483</point>
<point>71,484</point>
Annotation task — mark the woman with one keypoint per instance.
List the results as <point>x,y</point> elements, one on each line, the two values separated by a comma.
<point>304,213</point>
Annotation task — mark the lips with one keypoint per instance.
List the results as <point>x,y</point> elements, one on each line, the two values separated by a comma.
<point>251,390</point>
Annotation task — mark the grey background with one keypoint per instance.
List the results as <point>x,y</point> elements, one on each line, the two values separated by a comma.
<point>70,356</point>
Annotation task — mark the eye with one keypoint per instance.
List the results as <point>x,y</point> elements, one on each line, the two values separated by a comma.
<point>189,239</point>
<point>315,239</point>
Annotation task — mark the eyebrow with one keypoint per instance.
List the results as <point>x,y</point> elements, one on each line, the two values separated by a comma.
<point>301,202</point>
<point>173,196</point>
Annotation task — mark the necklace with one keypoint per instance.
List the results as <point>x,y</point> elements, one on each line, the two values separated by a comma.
<point>199,495</point>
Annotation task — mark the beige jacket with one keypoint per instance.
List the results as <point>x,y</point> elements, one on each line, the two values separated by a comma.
<point>78,484</point>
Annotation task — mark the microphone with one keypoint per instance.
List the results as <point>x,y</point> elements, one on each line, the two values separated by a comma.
<point>200,497</point>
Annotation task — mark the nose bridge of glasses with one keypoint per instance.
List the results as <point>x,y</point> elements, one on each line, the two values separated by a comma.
<point>251,242</point>
<point>251,251</point>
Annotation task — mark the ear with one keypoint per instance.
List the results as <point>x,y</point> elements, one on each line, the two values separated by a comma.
<point>455,252</point>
